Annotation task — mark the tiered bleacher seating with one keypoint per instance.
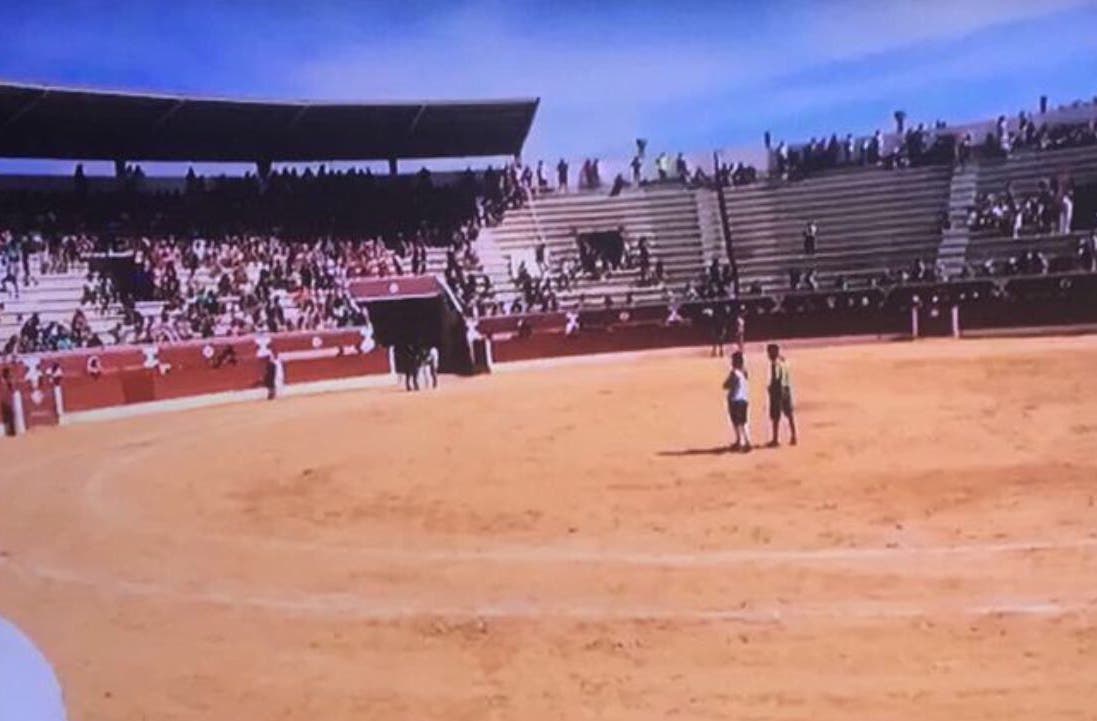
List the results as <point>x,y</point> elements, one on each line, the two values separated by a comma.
<point>870,220</point>
<point>207,281</point>
<point>54,297</point>
<point>1025,170</point>
<point>667,218</point>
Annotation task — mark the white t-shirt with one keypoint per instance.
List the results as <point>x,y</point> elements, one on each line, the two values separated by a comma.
<point>741,391</point>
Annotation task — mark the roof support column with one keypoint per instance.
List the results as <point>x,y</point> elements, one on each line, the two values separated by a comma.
<point>393,170</point>
<point>120,174</point>
<point>262,172</point>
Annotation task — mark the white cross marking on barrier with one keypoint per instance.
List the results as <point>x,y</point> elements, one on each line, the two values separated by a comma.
<point>572,324</point>
<point>34,371</point>
<point>472,329</point>
<point>367,343</point>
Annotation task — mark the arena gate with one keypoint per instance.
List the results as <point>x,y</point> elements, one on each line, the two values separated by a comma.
<point>417,310</point>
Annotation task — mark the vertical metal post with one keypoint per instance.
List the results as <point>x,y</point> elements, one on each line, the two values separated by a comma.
<point>19,421</point>
<point>725,225</point>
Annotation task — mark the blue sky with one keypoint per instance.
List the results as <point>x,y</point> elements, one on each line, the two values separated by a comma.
<point>685,74</point>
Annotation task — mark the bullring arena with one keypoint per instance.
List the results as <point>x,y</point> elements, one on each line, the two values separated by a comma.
<point>573,541</point>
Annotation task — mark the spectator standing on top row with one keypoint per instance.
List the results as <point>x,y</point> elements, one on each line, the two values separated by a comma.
<point>965,149</point>
<point>682,168</point>
<point>562,175</point>
<point>590,176</point>
<point>662,165</point>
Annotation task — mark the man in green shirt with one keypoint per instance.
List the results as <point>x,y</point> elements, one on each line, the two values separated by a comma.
<point>780,394</point>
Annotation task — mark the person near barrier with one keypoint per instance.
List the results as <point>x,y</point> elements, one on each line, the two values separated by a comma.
<point>427,364</point>
<point>411,377</point>
<point>275,375</point>
<point>7,416</point>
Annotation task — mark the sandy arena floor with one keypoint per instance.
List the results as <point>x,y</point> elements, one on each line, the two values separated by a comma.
<point>571,543</point>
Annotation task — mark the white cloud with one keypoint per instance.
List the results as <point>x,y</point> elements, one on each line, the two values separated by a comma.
<point>847,29</point>
<point>600,91</point>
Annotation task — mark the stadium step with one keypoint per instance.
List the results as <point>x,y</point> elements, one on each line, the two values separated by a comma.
<point>955,239</point>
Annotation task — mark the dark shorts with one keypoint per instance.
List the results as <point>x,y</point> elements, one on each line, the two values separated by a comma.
<point>738,412</point>
<point>780,403</point>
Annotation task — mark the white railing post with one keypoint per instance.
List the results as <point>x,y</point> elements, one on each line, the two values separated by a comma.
<point>914,321</point>
<point>18,420</point>
<point>955,321</point>
<point>59,401</point>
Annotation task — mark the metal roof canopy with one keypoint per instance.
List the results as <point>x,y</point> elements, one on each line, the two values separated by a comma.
<point>69,124</point>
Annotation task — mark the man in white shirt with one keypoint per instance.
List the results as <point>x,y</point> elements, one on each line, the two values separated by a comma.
<point>1066,212</point>
<point>738,399</point>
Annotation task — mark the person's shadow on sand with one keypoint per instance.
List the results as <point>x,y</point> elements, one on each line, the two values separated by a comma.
<point>714,451</point>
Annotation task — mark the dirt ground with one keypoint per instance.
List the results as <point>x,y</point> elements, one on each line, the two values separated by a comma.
<point>572,542</point>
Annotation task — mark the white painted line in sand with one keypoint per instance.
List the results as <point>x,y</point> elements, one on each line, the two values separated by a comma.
<point>348,605</point>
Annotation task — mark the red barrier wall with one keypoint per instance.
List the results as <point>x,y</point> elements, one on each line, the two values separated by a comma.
<point>344,366</point>
<point>616,339</point>
<point>39,407</point>
<point>122,375</point>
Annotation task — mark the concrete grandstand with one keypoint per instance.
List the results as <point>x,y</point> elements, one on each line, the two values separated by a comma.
<point>522,266</point>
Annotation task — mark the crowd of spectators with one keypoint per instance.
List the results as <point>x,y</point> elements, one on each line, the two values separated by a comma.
<point>924,145</point>
<point>203,288</point>
<point>224,256</point>
<point>240,285</point>
<point>24,257</point>
<point>599,257</point>
<point>534,181</point>
<point>36,335</point>
<point>1050,209</point>
<point>1029,136</point>
<point>715,281</point>
<point>917,145</point>
<point>1077,255</point>
<point>465,275</point>
<point>289,203</point>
